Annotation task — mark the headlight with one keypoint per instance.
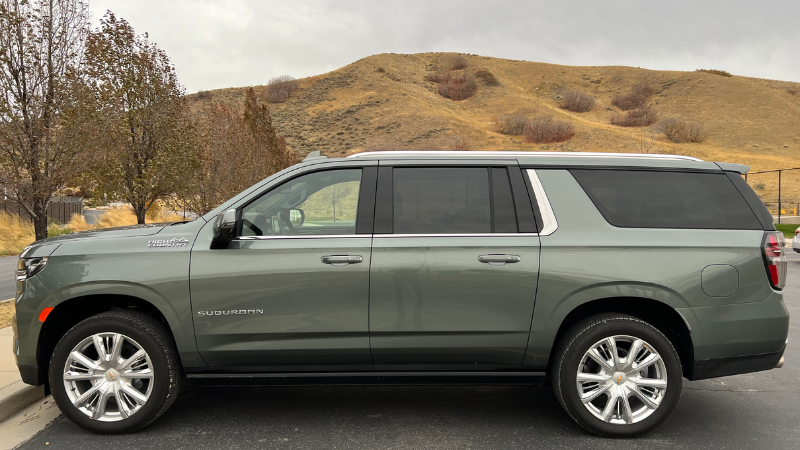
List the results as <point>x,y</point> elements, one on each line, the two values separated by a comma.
<point>28,267</point>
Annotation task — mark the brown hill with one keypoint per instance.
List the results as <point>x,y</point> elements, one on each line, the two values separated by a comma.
<point>384,102</point>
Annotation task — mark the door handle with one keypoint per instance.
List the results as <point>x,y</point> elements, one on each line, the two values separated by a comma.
<point>342,260</point>
<point>499,260</point>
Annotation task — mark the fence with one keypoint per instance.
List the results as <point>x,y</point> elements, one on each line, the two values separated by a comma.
<point>60,209</point>
<point>782,205</point>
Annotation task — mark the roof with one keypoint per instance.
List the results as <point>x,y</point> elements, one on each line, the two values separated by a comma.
<point>496,154</point>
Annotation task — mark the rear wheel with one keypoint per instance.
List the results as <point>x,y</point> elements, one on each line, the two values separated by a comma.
<point>115,372</point>
<point>617,376</point>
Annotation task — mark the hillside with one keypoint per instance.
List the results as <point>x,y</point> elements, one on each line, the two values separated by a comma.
<point>383,102</point>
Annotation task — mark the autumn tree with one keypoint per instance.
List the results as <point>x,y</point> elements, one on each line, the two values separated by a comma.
<point>143,133</point>
<point>237,150</point>
<point>41,52</point>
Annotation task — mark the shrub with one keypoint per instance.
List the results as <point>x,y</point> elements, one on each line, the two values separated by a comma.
<point>380,70</point>
<point>487,78</point>
<point>576,101</point>
<point>437,77</point>
<point>460,143</point>
<point>457,62</point>
<point>721,73</point>
<point>280,88</point>
<point>513,123</point>
<point>635,98</point>
<point>759,186</point>
<point>791,91</point>
<point>639,117</point>
<point>458,86</point>
<point>203,95</point>
<point>546,130</point>
<point>678,131</point>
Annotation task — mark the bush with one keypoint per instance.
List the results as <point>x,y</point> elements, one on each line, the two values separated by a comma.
<point>487,78</point>
<point>576,101</point>
<point>203,95</point>
<point>280,88</point>
<point>437,77</point>
<point>458,86</point>
<point>639,117</point>
<point>759,186</point>
<point>635,98</point>
<point>678,131</point>
<point>791,91</point>
<point>547,130</point>
<point>457,62</point>
<point>721,73</point>
<point>513,123</point>
<point>380,70</point>
<point>460,143</point>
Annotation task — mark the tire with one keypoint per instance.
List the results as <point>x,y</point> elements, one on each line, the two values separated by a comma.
<point>659,383</point>
<point>136,388</point>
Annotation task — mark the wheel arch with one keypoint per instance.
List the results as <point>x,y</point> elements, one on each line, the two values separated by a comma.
<point>658,314</point>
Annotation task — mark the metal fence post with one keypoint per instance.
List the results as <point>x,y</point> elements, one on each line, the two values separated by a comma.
<point>779,196</point>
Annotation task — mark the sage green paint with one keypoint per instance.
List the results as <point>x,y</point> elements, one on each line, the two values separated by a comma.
<point>415,300</point>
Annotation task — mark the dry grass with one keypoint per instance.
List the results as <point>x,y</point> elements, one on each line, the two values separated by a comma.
<point>721,73</point>
<point>639,117</point>
<point>15,234</point>
<point>7,310</point>
<point>487,78</point>
<point>635,98</point>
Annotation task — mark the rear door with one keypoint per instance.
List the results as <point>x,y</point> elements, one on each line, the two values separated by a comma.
<point>455,261</point>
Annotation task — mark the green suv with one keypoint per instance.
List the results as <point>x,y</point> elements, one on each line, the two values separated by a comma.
<point>612,275</point>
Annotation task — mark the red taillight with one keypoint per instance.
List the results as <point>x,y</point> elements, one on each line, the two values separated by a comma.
<point>775,259</point>
<point>797,231</point>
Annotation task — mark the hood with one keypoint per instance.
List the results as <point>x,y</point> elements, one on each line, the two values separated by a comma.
<point>107,233</point>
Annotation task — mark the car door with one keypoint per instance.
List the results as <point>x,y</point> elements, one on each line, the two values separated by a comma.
<point>292,289</point>
<point>455,261</point>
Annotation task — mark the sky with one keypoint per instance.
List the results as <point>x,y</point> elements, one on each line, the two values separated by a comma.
<point>226,43</point>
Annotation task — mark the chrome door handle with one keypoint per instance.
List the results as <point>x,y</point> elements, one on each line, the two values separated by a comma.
<point>342,260</point>
<point>499,260</point>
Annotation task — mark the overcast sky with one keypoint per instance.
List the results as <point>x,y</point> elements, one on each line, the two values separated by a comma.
<point>225,43</point>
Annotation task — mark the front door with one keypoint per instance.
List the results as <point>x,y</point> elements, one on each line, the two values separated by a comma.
<point>293,289</point>
<point>455,261</point>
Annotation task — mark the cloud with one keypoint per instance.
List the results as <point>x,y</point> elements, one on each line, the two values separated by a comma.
<point>216,43</point>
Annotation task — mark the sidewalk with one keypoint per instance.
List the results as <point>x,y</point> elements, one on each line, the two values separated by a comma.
<point>14,394</point>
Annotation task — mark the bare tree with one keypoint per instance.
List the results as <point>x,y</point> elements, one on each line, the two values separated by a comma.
<point>279,89</point>
<point>143,132</point>
<point>642,140</point>
<point>41,50</point>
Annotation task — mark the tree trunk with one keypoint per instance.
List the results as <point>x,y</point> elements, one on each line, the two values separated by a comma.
<point>40,219</point>
<point>141,212</point>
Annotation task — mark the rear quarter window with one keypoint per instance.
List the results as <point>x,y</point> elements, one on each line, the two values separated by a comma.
<point>660,199</point>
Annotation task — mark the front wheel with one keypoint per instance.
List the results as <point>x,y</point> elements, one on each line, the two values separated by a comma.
<point>617,376</point>
<point>115,372</point>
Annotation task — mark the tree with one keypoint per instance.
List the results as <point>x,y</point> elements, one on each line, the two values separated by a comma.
<point>144,131</point>
<point>41,51</point>
<point>236,151</point>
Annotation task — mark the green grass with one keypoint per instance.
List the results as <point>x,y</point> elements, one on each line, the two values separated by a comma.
<point>787,229</point>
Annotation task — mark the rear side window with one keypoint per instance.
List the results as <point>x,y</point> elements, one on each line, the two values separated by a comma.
<point>441,201</point>
<point>658,199</point>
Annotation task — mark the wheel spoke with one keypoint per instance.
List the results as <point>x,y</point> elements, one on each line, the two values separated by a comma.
<point>647,362</point>
<point>102,401</point>
<point>116,349</point>
<point>612,347</point>
<point>591,395</point>
<point>595,355</point>
<point>636,347</point>
<point>650,402</point>
<point>83,360</point>
<point>79,376</point>
<point>129,390</point>
<point>625,410</point>
<point>593,377</point>
<point>608,411</point>
<point>78,402</point>
<point>126,365</point>
<point>652,382</point>
<point>137,375</point>
<point>122,403</point>
<point>100,346</point>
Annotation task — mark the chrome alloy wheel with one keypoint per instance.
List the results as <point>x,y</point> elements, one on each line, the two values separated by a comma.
<point>108,377</point>
<point>622,380</point>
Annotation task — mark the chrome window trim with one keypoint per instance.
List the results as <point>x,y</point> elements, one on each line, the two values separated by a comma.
<point>302,236</point>
<point>478,235</point>
<point>549,222</point>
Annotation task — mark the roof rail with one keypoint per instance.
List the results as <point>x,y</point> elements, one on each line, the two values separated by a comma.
<point>509,153</point>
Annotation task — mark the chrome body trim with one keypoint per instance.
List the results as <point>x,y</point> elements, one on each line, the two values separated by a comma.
<point>303,236</point>
<point>549,222</point>
<point>467,154</point>
<point>457,235</point>
<point>436,373</point>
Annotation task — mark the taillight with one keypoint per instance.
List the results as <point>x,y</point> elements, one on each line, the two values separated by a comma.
<point>775,259</point>
<point>797,231</point>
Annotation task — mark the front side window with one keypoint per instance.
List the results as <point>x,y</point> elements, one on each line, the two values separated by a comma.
<point>441,201</point>
<point>319,203</point>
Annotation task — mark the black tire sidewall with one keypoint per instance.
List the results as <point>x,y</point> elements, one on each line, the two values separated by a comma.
<point>161,378</point>
<point>615,327</point>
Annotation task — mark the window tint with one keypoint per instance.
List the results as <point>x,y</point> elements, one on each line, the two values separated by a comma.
<point>313,204</point>
<point>441,200</point>
<point>650,199</point>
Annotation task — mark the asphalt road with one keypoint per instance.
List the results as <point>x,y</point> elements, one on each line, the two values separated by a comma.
<point>760,410</point>
<point>8,285</point>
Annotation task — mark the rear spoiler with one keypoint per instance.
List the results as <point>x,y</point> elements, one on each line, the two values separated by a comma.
<point>731,167</point>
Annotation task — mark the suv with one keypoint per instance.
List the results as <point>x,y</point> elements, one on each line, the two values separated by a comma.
<point>612,275</point>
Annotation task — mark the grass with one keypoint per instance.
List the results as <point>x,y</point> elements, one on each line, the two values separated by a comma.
<point>6,311</point>
<point>787,229</point>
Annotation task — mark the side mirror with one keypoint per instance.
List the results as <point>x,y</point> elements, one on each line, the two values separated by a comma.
<point>224,229</point>
<point>297,217</point>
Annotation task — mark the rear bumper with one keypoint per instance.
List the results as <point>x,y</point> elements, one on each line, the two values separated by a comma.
<point>722,367</point>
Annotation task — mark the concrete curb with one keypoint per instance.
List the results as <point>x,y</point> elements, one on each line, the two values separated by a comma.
<point>18,396</point>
